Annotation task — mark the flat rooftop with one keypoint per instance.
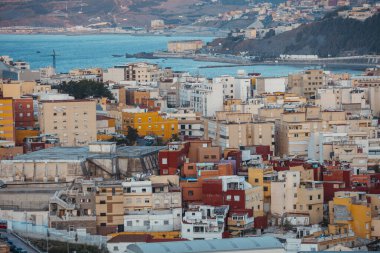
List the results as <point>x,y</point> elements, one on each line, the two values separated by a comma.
<point>82,153</point>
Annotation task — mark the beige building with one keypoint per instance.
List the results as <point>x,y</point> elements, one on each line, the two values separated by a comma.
<point>157,24</point>
<point>293,131</point>
<point>74,121</point>
<point>142,72</point>
<point>295,197</point>
<point>306,83</point>
<point>109,206</point>
<point>365,81</point>
<point>153,194</point>
<point>374,95</point>
<point>232,130</point>
<point>250,33</point>
<point>139,72</point>
<point>184,46</point>
<point>16,89</point>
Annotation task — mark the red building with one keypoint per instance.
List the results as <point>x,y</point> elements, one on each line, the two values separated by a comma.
<point>236,155</point>
<point>35,143</point>
<point>24,112</point>
<point>172,159</point>
<point>231,191</point>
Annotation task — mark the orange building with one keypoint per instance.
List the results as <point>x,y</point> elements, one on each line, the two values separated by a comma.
<point>21,134</point>
<point>136,97</point>
<point>195,173</point>
<point>203,151</point>
<point>7,124</point>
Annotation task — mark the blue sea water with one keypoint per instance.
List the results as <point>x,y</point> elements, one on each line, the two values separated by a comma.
<point>85,51</point>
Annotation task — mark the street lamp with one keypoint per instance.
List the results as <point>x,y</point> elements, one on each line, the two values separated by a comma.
<point>47,239</point>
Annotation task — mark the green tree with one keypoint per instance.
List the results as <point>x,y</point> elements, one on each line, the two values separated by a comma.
<point>132,135</point>
<point>85,89</point>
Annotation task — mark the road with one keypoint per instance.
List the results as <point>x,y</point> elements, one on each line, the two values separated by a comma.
<point>19,243</point>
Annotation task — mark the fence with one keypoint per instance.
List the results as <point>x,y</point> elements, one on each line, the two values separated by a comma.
<point>29,230</point>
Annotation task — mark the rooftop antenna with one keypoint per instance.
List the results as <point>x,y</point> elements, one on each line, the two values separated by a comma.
<point>54,55</point>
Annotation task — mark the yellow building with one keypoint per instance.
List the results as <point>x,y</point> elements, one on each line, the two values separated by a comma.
<point>7,126</point>
<point>150,123</point>
<point>262,177</point>
<point>353,210</point>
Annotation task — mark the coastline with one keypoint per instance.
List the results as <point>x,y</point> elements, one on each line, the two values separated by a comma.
<point>183,32</point>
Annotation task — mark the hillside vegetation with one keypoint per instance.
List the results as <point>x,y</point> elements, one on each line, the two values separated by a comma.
<point>332,36</point>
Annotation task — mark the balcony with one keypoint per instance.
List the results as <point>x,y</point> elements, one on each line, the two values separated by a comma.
<point>72,218</point>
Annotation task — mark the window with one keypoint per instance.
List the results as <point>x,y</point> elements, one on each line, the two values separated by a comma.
<point>213,156</point>
<point>190,193</point>
<point>228,198</point>
<point>256,180</point>
<point>164,160</point>
<point>310,207</point>
<point>143,189</point>
<point>294,207</point>
<point>146,200</point>
<point>206,157</point>
<point>103,214</point>
<point>190,167</point>
<point>237,198</point>
<point>103,224</point>
<point>294,185</point>
<point>129,223</point>
<point>265,188</point>
<point>295,195</point>
<point>310,197</point>
<point>146,223</point>
<point>319,196</point>
<point>166,222</point>
<point>115,248</point>
<point>102,202</point>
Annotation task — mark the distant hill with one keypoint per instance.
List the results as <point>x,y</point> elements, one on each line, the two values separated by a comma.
<point>332,36</point>
<point>118,12</point>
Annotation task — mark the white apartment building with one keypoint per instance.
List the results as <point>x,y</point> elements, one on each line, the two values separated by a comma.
<point>204,222</point>
<point>207,99</point>
<point>270,85</point>
<point>153,220</point>
<point>189,122</point>
<point>344,98</point>
<point>317,150</point>
<point>234,88</point>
